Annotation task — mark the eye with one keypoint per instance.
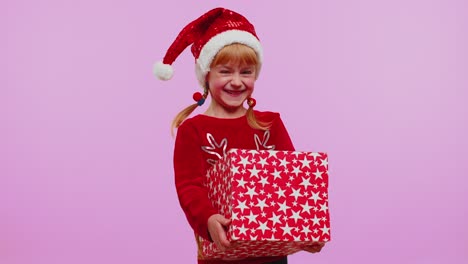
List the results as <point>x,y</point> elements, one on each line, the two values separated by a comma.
<point>224,70</point>
<point>247,72</point>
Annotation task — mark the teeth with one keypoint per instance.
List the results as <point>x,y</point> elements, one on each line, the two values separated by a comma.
<point>233,92</point>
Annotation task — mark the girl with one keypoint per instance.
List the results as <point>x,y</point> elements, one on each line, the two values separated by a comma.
<point>228,60</point>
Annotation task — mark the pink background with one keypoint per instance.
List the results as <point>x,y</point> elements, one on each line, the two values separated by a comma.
<point>86,152</point>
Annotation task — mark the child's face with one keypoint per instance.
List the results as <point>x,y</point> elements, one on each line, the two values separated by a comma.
<point>230,84</point>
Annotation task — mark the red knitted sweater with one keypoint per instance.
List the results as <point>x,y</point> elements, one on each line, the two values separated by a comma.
<point>200,141</point>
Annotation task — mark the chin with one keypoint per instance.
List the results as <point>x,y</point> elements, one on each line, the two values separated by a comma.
<point>233,107</point>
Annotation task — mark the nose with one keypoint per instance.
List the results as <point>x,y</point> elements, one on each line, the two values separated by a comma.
<point>236,81</point>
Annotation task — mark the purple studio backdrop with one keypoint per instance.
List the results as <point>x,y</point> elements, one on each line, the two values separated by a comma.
<point>86,152</point>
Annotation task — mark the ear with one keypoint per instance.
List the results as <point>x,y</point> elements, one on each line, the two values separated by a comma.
<point>207,77</point>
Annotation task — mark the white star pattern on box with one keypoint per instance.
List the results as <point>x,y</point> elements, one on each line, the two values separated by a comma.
<point>277,200</point>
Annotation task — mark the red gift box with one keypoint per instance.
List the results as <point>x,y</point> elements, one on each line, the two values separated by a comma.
<point>277,201</point>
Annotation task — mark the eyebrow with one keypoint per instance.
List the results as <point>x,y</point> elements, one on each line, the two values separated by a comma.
<point>230,67</point>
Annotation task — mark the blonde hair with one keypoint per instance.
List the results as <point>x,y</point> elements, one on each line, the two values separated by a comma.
<point>238,54</point>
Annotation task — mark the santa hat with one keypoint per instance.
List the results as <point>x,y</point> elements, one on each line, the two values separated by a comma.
<point>208,34</point>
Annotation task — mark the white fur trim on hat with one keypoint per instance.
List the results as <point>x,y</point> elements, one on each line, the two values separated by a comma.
<point>163,71</point>
<point>216,43</point>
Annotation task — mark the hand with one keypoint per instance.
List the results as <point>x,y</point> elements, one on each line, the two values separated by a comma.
<point>315,247</point>
<point>217,224</point>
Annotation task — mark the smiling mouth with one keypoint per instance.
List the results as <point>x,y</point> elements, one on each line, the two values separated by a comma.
<point>235,92</point>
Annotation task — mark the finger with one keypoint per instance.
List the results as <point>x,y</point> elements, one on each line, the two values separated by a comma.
<point>219,245</point>
<point>223,239</point>
<point>223,243</point>
<point>225,222</point>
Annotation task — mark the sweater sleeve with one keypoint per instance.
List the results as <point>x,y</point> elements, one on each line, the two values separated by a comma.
<point>280,135</point>
<point>189,178</point>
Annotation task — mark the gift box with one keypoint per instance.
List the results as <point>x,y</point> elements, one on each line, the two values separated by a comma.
<point>277,202</point>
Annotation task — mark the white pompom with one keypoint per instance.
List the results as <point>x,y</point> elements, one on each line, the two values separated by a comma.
<point>163,71</point>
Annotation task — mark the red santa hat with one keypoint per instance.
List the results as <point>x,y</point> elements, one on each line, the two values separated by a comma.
<point>208,34</point>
